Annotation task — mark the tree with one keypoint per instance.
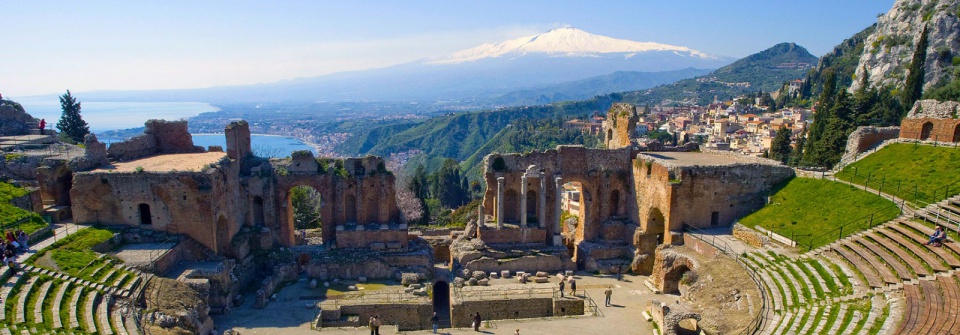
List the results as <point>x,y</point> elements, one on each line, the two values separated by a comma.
<point>913,86</point>
<point>306,207</point>
<point>780,148</point>
<point>72,127</point>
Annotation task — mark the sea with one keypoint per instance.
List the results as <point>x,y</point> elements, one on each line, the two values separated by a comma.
<point>103,116</point>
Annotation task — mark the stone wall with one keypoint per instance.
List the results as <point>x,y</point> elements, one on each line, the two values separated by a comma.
<point>512,235</point>
<point>517,308</point>
<point>669,268</point>
<point>407,317</point>
<point>750,236</point>
<point>867,137</point>
<point>94,155</point>
<point>159,137</point>
<point>282,274</point>
<point>700,246</point>
<point>620,125</point>
<point>237,134</point>
<point>668,316</point>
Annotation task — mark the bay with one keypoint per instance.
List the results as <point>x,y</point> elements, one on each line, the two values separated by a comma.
<point>262,145</point>
<point>102,116</point>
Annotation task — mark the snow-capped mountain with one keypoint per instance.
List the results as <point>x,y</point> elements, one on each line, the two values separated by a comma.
<point>478,74</point>
<point>565,42</point>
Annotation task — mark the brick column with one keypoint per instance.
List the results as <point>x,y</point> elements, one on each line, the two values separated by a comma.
<point>499,202</point>
<point>523,201</point>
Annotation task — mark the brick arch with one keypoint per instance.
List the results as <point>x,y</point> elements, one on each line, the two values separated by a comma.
<point>669,268</point>
<point>329,203</point>
<point>656,224</point>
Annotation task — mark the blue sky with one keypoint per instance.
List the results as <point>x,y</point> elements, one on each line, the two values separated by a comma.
<point>52,46</point>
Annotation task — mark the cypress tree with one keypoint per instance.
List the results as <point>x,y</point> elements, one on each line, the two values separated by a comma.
<point>780,147</point>
<point>72,127</point>
<point>913,86</point>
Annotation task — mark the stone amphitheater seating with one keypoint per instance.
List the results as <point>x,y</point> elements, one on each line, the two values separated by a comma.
<point>90,307</point>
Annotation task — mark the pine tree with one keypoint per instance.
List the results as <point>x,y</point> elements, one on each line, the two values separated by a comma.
<point>780,147</point>
<point>913,86</point>
<point>71,125</point>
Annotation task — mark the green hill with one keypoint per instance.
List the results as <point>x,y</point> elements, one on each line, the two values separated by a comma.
<point>769,69</point>
<point>913,172</point>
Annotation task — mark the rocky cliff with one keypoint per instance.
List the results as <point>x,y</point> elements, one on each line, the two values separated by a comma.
<point>14,120</point>
<point>889,49</point>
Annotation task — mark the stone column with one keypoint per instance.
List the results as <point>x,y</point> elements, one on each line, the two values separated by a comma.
<point>542,217</point>
<point>481,219</point>
<point>557,212</point>
<point>499,202</point>
<point>523,201</point>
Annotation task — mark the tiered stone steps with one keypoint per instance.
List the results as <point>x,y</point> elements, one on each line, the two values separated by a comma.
<point>808,297</point>
<point>41,299</point>
<point>58,303</point>
<point>931,307</point>
<point>945,213</point>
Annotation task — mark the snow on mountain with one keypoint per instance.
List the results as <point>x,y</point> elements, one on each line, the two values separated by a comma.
<point>565,42</point>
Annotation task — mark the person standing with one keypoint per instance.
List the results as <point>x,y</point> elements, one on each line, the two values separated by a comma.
<point>620,273</point>
<point>573,287</point>
<point>561,288</point>
<point>476,322</point>
<point>377,322</point>
<point>435,320</point>
<point>373,330</point>
<point>608,292</point>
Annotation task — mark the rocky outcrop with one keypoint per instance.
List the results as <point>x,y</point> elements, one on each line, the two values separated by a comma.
<point>934,109</point>
<point>94,155</point>
<point>889,50</point>
<point>14,120</point>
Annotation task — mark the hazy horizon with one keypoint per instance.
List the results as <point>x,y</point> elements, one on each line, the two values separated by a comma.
<point>55,46</point>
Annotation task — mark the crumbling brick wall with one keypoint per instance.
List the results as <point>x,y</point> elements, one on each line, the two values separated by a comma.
<point>932,120</point>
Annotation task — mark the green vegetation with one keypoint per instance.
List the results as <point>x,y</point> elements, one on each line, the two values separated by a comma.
<point>916,173</point>
<point>13,217</point>
<point>441,191</point>
<point>763,69</point>
<point>306,204</point>
<point>72,127</point>
<point>913,86</point>
<point>797,211</point>
<point>73,254</point>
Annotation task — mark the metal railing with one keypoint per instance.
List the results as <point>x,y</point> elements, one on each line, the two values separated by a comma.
<point>851,227</point>
<point>940,217</point>
<point>757,322</point>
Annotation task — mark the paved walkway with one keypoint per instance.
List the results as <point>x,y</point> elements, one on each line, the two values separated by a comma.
<point>60,230</point>
<point>287,315</point>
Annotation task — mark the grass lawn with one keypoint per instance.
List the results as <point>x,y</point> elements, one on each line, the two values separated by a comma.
<point>73,254</point>
<point>810,211</point>
<point>909,171</point>
<point>10,214</point>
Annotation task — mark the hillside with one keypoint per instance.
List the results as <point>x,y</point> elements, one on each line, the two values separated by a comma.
<point>619,81</point>
<point>770,68</point>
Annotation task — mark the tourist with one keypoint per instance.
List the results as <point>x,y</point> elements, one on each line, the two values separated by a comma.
<point>938,236</point>
<point>608,292</point>
<point>573,287</point>
<point>435,320</point>
<point>12,241</point>
<point>377,322</point>
<point>23,238</point>
<point>476,322</point>
<point>373,330</point>
<point>620,273</point>
<point>561,288</point>
<point>517,332</point>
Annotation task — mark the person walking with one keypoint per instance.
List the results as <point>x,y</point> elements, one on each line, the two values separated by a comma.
<point>476,322</point>
<point>435,320</point>
<point>561,288</point>
<point>608,292</point>
<point>573,287</point>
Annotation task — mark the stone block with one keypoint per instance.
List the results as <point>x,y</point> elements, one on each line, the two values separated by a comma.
<point>472,282</point>
<point>521,279</point>
<point>505,273</point>
<point>415,286</point>
<point>409,290</point>
<point>568,273</point>
<point>542,274</point>
<point>541,279</point>
<point>483,282</point>
<point>479,274</point>
<point>494,275</point>
<point>352,288</point>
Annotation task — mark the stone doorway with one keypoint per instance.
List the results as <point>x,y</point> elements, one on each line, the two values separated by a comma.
<point>925,131</point>
<point>145,217</point>
<point>956,133</point>
<point>441,302</point>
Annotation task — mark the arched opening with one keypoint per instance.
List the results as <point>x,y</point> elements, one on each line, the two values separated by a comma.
<point>609,135</point>
<point>656,224</point>
<point>441,302</point>
<point>956,133</point>
<point>926,130</point>
<point>679,274</point>
<point>714,219</point>
<point>223,235</point>
<point>305,206</point>
<point>372,209</point>
<point>615,203</point>
<point>258,211</point>
<point>350,208</point>
<point>533,207</point>
<point>511,206</point>
<point>145,217</point>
